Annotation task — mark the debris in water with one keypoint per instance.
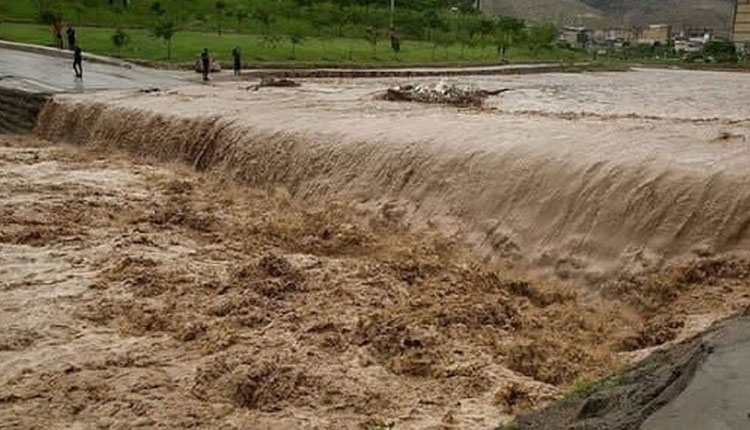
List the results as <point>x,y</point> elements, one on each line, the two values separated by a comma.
<point>442,93</point>
<point>269,81</point>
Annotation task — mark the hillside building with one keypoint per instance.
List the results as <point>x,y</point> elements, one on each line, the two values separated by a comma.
<point>576,37</point>
<point>696,34</point>
<point>655,34</point>
<point>692,39</point>
<point>741,25</point>
<point>682,45</point>
<point>615,36</point>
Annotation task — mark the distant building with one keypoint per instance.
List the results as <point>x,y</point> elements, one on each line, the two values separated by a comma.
<point>695,34</point>
<point>615,36</point>
<point>692,39</point>
<point>655,34</point>
<point>577,37</point>
<point>687,46</point>
<point>621,34</point>
<point>741,25</point>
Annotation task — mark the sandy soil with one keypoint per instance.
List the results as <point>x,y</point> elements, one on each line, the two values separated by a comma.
<point>138,294</point>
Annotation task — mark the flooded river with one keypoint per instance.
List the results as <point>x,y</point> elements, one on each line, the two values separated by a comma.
<point>582,173</point>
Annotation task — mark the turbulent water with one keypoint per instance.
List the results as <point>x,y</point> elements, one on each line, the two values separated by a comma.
<point>582,174</point>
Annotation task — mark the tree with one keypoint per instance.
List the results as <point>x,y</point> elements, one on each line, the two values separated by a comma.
<point>79,8</point>
<point>339,19</point>
<point>45,7</point>
<point>540,36</point>
<point>468,32</point>
<point>720,51</point>
<point>50,17</point>
<point>120,39</point>
<point>502,39</point>
<point>287,9</point>
<point>296,37</point>
<point>220,8</point>
<point>263,14</point>
<point>241,15</point>
<point>322,17</point>
<point>371,36</point>
<point>157,9</point>
<point>433,24</point>
<point>165,29</point>
<point>118,11</point>
<point>485,32</point>
<point>444,39</point>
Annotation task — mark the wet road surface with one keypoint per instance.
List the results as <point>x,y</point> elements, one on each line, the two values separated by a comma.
<point>37,72</point>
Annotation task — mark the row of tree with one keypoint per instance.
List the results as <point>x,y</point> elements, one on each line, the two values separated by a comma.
<point>441,22</point>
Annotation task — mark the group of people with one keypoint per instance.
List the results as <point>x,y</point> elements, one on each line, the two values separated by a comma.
<point>72,45</point>
<point>205,62</point>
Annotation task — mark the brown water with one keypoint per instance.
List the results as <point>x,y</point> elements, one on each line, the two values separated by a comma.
<point>132,291</point>
<point>583,174</point>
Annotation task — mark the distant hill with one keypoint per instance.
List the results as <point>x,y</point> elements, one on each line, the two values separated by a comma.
<point>706,13</point>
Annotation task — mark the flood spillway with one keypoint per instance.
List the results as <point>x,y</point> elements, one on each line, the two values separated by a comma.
<point>578,174</point>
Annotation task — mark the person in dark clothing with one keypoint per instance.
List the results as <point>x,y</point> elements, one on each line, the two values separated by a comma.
<point>237,61</point>
<point>78,62</point>
<point>57,26</point>
<point>71,38</point>
<point>395,43</point>
<point>205,64</point>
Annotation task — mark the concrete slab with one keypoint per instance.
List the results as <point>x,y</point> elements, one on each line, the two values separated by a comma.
<point>718,397</point>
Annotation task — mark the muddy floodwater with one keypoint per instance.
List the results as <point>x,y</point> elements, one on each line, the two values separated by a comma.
<point>587,174</point>
<point>317,258</point>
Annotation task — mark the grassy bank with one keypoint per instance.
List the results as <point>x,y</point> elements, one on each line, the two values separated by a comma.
<point>186,45</point>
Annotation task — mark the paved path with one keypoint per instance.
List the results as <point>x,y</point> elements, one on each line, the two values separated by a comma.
<point>718,397</point>
<point>38,68</point>
<point>38,72</point>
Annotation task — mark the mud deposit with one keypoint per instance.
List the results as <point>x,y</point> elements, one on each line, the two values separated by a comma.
<point>136,294</point>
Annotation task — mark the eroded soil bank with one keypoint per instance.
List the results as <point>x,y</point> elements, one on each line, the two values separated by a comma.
<point>135,293</point>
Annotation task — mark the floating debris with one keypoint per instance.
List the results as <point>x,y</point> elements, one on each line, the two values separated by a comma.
<point>269,81</point>
<point>441,93</point>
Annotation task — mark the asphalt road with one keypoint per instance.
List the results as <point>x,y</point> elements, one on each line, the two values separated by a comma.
<point>37,72</point>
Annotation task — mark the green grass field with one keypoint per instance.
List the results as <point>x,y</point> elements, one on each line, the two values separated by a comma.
<point>186,45</point>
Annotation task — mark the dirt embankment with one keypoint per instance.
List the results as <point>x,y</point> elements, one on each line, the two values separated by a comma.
<point>698,384</point>
<point>142,295</point>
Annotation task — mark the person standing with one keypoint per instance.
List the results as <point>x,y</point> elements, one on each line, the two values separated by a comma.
<point>71,38</point>
<point>237,61</point>
<point>78,62</point>
<point>205,64</point>
<point>395,43</point>
<point>57,27</point>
